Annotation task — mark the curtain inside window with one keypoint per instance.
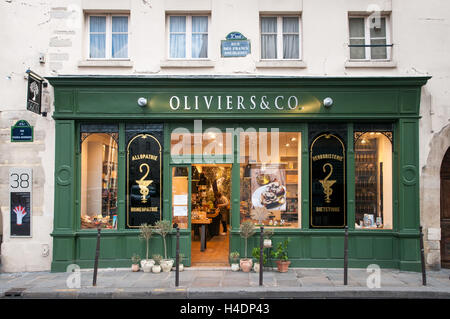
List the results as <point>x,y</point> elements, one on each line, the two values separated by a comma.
<point>199,37</point>
<point>269,38</point>
<point>291,46</point>
<point>177,37</point>
<point>97,36</point>
<point>119,37</point>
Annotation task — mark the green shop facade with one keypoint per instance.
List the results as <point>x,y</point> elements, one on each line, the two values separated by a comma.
<point>307,157</point>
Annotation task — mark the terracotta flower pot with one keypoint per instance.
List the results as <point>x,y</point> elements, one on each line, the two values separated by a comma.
<point>246,264</point>
<point>135,267</point>
<point>283,265</point>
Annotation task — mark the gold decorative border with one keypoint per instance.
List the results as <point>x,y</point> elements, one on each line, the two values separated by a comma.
<point>160,176</point>
<point>310,181</point>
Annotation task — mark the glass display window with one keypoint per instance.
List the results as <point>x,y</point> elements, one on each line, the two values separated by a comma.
<point>270,171</point>
<point>99,180</point>
<point>373,180</point>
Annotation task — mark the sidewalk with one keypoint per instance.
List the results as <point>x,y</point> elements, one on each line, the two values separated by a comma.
<point>222,283</point>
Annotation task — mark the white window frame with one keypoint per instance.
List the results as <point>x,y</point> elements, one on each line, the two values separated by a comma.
<point>188,48</point>
<point>279,35</point>
<point>368,54</point>
<point>108,43</point>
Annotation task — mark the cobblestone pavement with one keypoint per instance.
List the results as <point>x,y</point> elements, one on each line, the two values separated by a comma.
<point>223,283</point>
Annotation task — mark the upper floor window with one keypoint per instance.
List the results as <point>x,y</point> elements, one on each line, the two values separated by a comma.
<point>369,38</point>
<point>188,37</point>
<point>280,37</point>
<point>108,36</point>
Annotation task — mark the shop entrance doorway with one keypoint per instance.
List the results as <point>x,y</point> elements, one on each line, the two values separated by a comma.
<point>210,214</point>
<point>445,211</point>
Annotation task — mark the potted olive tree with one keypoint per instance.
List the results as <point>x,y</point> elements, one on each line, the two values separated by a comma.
<point>163,227</point>
<point>146,234</point>
<point>247,230</point>
<point>281,254</point>
<point>234,257</point>
<point>135,262</point>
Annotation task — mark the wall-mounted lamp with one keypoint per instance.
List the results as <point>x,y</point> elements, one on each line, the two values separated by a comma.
<point>328,102</point>
<point>142,101</point>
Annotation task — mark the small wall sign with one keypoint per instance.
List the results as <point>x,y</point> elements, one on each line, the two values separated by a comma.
<point>34,92</point>
<point>235,45</point>
<point>22,131</point>
<point>20,190</point>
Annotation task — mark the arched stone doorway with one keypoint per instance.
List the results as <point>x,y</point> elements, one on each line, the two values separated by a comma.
<point>430,216</point>
<point>445,210</point>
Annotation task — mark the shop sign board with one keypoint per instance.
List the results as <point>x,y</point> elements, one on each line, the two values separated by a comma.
<point>34,93</point>
<point>144,177</point>
<point>20,190</point>
<point>235,45</point>
<point>328,182</point>
<point>22,131</point>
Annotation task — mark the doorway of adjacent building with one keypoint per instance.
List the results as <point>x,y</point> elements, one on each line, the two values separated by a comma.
<point>210,209</point>
<point>445,210</point>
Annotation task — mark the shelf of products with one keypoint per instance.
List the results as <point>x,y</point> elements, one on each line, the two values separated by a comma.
<point>367,210</point>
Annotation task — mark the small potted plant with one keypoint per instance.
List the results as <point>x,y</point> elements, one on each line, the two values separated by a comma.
<point>256,255</point>
<point>281,254</point>
<point>146,234</point>
<point>268,233</point>
<point>157,266</point>
<point>247,230</point>
<point>234,257</point>
<point>135,262</point>
<point>163,227</point>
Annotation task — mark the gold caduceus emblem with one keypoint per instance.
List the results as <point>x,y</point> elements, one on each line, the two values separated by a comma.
<point>143,183</point>
<point>326,184</point>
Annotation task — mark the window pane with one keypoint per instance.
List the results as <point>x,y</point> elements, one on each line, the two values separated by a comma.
<point>269,25</point>
<point>97,46</point>
<point>120,45</point>
<point>356,27</point>
<point>200,24</point>
<point>180,194</point>
<point>270,173</point>
<point>177,46</point>
<point>378,31</point>
<point>177,24</point>
<point>97,24</point>
<point>199,46</point>
<point>119,24</point>
<point>357,52</point>
<point>378,52</point>
<point>290,47</point>
<point>373,180</point>
<point>99,180</point>
<point>290,24</point>
<point>210,144</point>
<point>268,46</point>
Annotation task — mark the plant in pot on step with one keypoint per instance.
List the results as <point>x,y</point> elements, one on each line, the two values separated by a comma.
<point>255,254</point>
<point>146,234</point>
<point>163,227</point>
<point>281,254</point>
<point>247,230</point>
<point>234,257</point>
<point>135,262</point>
<point>157,266</point>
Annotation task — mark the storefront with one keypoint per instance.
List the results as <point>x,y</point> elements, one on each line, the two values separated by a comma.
<point>303,156</point>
